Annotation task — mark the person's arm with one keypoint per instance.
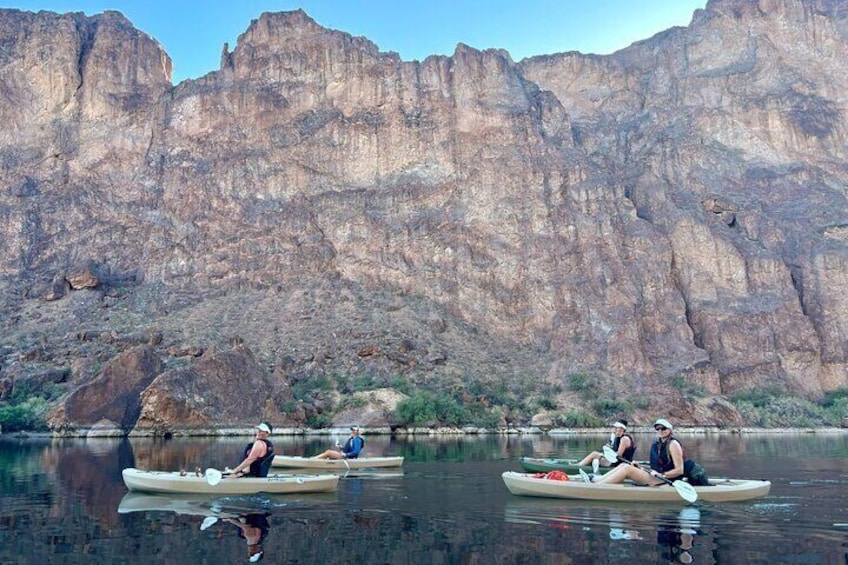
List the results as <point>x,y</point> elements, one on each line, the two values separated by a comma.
<point>623,446</point>
<point>256,452</point>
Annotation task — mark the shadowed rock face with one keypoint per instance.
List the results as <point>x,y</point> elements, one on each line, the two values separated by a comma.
<point>676,209</point>
<point>113,395</point>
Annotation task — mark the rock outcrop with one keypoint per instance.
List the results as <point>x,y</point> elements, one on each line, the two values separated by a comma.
<point>676,210</point>
<point>223,389</point>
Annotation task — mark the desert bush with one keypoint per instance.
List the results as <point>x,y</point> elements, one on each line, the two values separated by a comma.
<point>583,383</point>
<point>27,415</point>
<point>767,408</point>
<point>424,408</point>
<point>578,419</point>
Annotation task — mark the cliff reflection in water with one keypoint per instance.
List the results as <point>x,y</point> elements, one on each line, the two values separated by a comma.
<point>64,502</point>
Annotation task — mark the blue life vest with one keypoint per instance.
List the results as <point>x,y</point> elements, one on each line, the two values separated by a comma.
<point>351,450</point>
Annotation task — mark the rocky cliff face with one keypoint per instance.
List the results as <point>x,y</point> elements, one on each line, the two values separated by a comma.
<point>676,210</point>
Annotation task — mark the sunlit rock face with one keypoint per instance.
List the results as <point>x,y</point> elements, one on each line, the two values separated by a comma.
<point>676,210</point>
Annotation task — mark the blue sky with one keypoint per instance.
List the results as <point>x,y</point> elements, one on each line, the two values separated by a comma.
<point>193,31</point>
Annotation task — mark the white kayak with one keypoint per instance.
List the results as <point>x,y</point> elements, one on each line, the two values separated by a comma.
<point>189,504</point>
<point>719,490</point>
<point>191,483</point>
<point>342,465</point>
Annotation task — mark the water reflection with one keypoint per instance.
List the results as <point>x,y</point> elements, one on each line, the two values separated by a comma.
<point>251,525</point>
<point>252,528</point>
<point>59,501</point>
<point>676,530</point>
<point>246,518</point>
<point>678,540</point>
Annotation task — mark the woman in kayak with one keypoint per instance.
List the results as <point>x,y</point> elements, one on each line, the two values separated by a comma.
<point>668,461</point>
<point>257,455</point>
<point>622,443</point>
<point>351,449</point>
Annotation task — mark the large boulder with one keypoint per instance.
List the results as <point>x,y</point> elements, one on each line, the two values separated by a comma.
<point>223,389</point>
<point>113,395</point>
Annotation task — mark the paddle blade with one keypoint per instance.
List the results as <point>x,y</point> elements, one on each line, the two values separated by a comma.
<point>213,476</point>
<point>686,491</point>
<point>208,522</point>
<point>609,454</point>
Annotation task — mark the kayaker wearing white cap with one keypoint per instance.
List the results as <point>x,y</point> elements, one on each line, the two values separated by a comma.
<point>667,461</point>
<point>622,443</point>
<point>257,455</point>
<point>351,449</point>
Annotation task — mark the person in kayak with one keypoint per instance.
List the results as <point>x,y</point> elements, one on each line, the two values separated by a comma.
<point>253,528</point>
<point>668,461</point>
<point>257,455</point>
<point>352,447</point>
<point>622,443</point>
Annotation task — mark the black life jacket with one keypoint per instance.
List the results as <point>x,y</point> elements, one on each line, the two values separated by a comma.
<point>628,453</point>
<point>660,458</point>
<point>260,467</point>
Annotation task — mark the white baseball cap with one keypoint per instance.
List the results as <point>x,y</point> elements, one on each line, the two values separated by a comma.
<point>263,427</point>
<point>663,422</point>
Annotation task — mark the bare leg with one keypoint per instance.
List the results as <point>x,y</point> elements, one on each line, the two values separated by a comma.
<point>591,457</point>
<point>330,454</point>
<point>623,472</point>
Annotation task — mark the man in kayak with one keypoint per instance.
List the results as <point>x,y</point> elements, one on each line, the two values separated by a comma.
<point>668,462</point>
<point>253,528</point>
<point>257,455</point>
<point>351,449</point>
<point>622,443</point>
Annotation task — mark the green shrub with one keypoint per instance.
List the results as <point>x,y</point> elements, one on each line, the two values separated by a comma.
<point>759,398</point>
<point>401,384</point>
<point>424,409</point>
<point>548,403</point>
<point>609,408</point>
<point>836,398</point>
<point>788,411</point>
<point>303,390</point>
<point>577,419</point>
<point>364,382</point>
<point>687,388</point>
<point>483,416</point>
<point>417,410</point>
<point>27,415</point>
<point>583,383</point>
<point>318,421</point>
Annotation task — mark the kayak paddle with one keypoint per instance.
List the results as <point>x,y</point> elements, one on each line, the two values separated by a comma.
<point>213,476</point>
<point>344,459</point>
<point>686,491</point>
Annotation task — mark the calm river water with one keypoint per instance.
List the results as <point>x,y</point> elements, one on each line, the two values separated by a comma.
<point>64,502</point>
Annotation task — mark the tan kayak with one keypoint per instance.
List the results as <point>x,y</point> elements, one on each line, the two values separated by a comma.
<point>189,504</point>
<point>174,482</point>
<point>720,490</point>
<point>341,465</point>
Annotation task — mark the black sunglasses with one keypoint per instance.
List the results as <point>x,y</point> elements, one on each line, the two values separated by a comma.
<point>660,428</point>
